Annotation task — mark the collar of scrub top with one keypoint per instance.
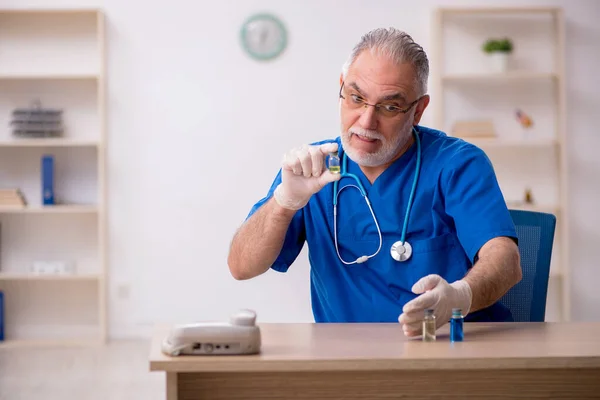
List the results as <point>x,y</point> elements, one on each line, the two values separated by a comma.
<point>401,250</point>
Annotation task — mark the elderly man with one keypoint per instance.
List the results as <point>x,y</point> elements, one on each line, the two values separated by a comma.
<point>419,220</point>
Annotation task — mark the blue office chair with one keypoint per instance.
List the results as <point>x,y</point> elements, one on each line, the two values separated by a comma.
<point>527,299</point>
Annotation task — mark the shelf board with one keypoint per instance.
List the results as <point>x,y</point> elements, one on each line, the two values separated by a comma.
<point>20,343</point>
<point>498,10</point>
<point>496,142</point>
<point>48,76</point>
<point>498,77</point>
<point>49,11</point>
<point>57,209</point>
<point>48,142</point>
<point>7,276</point>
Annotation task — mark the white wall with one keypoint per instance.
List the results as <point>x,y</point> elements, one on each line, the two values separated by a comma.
<point>188,111</point>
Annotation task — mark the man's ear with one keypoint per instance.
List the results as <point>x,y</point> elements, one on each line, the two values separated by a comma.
<point>341,78</point>
<point>420,108</point>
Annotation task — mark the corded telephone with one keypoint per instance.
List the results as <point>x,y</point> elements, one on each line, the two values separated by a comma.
<point>240,335</point>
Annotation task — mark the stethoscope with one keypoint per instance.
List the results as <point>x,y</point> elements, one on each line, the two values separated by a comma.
<point>400,250</point>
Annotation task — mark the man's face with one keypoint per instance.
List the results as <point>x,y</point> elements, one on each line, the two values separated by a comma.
<point>373,137</point>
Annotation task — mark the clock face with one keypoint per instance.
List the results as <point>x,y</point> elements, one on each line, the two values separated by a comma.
<point>263,36</point>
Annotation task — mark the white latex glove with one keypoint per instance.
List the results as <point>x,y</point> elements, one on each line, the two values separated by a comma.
<point>303,174</point>
<point>437,294</point>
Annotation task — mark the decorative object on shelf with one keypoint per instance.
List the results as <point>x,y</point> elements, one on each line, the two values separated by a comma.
<point>528,197</point>
<point>524,119</point>
<point>525,201</point>
<point>498,51</point>
<point>263,36</point>
<point>474,129</point>
<point>53,268</point>
<point>48,180</point>
<point>37,121</point>
<point>12,198</point>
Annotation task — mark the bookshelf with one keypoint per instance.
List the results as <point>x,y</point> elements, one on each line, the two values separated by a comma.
<point>56,57</point>
<point>467,87</point>
<point>54,142</point>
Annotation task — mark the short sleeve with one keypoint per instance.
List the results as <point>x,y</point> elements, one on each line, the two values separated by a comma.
<point>474,201</point>
<point>295,236</point>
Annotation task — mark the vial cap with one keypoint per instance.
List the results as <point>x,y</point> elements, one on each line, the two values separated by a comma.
<point>456,311</point>
<point>429,312</point>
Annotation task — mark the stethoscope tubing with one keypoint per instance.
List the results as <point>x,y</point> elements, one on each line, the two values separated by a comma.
<point>398,245</point>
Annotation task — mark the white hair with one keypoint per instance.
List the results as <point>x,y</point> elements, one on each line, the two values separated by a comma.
<point>397,45</point>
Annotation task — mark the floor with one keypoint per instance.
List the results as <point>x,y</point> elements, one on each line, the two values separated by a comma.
<point>116,371</point>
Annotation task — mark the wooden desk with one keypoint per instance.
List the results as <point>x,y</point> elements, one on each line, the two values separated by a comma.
<point>375,361</point>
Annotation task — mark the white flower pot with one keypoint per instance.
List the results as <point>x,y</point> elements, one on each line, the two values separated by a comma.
<point>499,61</point>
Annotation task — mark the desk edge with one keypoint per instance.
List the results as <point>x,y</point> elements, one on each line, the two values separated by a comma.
<point>206,365</point>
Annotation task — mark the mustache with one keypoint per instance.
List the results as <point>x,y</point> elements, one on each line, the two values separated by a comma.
<point>369,134</point>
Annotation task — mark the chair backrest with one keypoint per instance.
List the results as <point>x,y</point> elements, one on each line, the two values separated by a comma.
<point>527,299</point>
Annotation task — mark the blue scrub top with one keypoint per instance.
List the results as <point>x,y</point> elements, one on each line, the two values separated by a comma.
<point>458,207</point>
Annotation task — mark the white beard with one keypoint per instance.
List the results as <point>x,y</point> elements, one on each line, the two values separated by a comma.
<point>389,148</point>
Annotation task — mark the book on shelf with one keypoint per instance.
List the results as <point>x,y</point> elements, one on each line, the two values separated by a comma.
<point>473,129</point>
<point>12,198</point>
<point>47,180</point>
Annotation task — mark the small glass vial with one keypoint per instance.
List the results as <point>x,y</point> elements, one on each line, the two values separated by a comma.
<point>456,326</point>
<point>429,326</point>
<point>334,163</point>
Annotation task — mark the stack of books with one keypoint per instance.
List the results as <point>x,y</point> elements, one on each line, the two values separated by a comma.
<point>37,121</point>
<point>12,198</point>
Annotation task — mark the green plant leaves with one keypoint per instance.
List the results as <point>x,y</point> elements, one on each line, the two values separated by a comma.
<point>501,45</point>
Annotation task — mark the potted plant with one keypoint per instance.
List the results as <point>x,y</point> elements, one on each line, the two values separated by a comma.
<point>499,51</point>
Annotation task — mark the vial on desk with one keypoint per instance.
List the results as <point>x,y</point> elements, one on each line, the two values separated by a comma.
<point>429,326</point>
<point>334,163</point>
<point>456,325</point>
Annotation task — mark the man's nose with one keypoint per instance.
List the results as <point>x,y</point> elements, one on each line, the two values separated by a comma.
<point>368,118</point>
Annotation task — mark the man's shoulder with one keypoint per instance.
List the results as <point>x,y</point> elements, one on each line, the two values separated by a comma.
<point>447,148</point>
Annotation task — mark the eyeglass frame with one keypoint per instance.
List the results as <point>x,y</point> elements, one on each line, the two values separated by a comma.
<point>377,106</point>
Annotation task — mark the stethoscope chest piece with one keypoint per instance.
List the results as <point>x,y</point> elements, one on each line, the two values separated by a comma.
<point>401,251</point>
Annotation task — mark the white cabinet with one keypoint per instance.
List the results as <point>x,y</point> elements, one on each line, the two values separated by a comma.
<point>467,86</point>
<point>56,57</point>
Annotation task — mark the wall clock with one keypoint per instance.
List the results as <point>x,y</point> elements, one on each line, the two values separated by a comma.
<point>263,36</point>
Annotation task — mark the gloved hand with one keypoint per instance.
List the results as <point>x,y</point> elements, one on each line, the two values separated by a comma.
<point>437,294</point>
<point>303,174</point>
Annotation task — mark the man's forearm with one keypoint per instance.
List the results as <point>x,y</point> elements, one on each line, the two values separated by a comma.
<point>497,270</point>
<point>259,240</point>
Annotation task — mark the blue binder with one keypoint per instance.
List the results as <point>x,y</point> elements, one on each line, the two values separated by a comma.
<point>48,180</point>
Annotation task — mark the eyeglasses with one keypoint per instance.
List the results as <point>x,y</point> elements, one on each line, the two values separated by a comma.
<point>388,110</point>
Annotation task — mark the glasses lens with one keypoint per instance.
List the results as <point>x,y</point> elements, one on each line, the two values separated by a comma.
<point>388,110</point>
<point>354,101</point>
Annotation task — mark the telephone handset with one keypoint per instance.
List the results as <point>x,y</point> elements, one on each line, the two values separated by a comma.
<point>240,335</point>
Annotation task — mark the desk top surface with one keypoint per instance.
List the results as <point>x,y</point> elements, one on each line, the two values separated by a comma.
<point>303,347</point>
